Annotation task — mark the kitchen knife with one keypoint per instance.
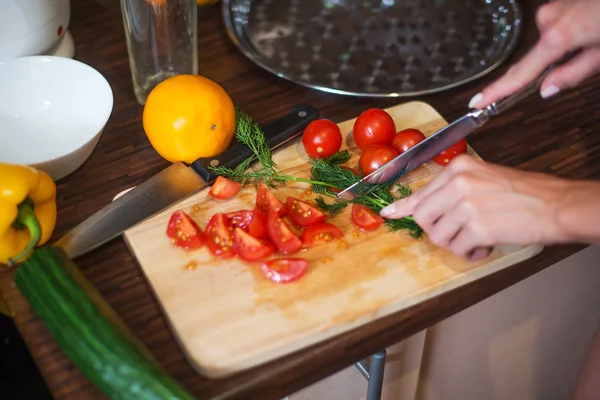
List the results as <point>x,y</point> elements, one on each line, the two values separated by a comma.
<point>174,184</point>
<point>445,137</point>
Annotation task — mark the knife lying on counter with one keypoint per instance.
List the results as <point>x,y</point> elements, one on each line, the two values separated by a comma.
<point>173,184</point>
<point>445,137</point>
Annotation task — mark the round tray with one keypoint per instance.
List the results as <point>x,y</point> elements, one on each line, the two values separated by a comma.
<point>385,48</point>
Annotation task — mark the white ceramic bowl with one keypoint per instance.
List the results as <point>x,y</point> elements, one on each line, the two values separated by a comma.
<point>52,112</point>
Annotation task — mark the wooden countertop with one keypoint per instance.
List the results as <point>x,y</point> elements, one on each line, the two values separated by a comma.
<point>560,137</point>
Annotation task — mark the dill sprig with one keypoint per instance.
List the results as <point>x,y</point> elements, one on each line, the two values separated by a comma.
<point>326,173</point>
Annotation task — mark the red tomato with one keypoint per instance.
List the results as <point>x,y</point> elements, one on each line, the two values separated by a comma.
<point>281,235</point>
<point>374,157</point>
<point>373,126</point>
<point>267,202</point>
<point>353,170</point>
<point>224,188</point>
<point>284,270</point>
<point>445,156</point>
<point>219,235</point>
<point>319,233</point>
<point>240,218</point>
<point>184,232</point>
<point>258,225</point>
<point>322,138</point>
<point>365,218</point>
<point>407,138</point>
<point>250,248</point>
<point>302,213</point>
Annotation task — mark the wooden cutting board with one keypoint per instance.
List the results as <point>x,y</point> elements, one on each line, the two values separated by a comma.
<point>228,317</point>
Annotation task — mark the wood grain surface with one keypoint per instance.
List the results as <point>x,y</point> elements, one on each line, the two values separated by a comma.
<point>229,317</point>
<point>560,137</point>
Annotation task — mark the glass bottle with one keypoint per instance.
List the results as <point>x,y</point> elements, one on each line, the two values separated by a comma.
<point>162,41</point>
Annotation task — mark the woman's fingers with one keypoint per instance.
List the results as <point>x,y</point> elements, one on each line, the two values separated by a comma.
<point>573,73</point>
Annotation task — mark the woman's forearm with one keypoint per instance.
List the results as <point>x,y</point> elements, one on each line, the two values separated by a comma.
<point>578,213</point>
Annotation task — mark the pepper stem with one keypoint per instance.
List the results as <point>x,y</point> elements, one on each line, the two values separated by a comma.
<point>27,219</point>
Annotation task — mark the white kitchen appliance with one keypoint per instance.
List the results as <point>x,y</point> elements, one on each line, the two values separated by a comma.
<point>35,27</point>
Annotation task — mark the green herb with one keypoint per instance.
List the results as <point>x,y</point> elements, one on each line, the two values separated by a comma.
<point>327,173</point>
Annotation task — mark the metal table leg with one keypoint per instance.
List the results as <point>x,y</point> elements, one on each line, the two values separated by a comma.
<point>373,373</point>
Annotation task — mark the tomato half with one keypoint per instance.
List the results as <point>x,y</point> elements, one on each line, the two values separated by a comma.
<point>322,138</point>
<point>365,218</point>
<point>407,138</point>
<point>267,202</point>
<point>258,225</point>
<point>184,231</point>
<point>319,233</point>
<point>447,155</point>
<point>250,248</point>
<point>240,218</point>
<point>302,213</point>
<point>224,188</point>
<point>281,235</point>
<point>373,126</point>
<point>284,270</point>
<point>219,236</point>
<point>374,157</point>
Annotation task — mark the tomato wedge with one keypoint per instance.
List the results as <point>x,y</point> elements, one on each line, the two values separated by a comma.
<point>319,233</point>
<point>452,151</point>
<point>184,231</point>
<point>281,235</point>
<point>224,188</point>
<point>250,248</point>
<point>219,235</point>
<point>258,225</point>
<point>267,202</point>
<point>284,270</point>
<point>302,213</point>
<point>241,218</point>
<point>365,218</point>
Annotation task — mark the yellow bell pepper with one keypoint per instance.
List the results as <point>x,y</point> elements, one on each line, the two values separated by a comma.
<point>27,211</point>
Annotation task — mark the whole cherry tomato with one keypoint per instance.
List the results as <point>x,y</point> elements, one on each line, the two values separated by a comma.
<point>445,156</point>
<point>406,138</point>
<point>373,126</point>
<point>374,157</point>
<point>322,138</point>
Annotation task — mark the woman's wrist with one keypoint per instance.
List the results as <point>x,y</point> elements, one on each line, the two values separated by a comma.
<point>577,215</point>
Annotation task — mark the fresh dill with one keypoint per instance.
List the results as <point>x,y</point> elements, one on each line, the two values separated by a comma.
<point>326,173</point>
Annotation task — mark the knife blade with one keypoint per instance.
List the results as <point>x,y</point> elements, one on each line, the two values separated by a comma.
<point>175,183</point>
<point>447,136</point>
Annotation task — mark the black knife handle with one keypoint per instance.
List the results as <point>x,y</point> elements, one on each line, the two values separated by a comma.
<point>276,133</point>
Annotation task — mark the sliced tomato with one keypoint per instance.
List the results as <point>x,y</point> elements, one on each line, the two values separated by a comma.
<point>250,248</point>
<point>447,155</point>
<point>320,233</point>
<point>241,218</point>
<point>224,188</point>
<point>184,231</point>
<point>281,235</point>
<point>365,218</point>
<point>267,202</point>
<point>302,213</point>
<point>284,270</point>
<point>219,232</point>
<point>258,225</point>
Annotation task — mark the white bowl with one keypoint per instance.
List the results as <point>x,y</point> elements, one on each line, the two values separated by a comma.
<point>52,112</point>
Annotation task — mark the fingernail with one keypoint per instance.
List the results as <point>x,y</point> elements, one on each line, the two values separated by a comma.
<point>388,210</point>
<point>549,91</point>
<point>476,99</point>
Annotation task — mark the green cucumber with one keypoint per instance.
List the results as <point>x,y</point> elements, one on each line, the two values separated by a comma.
<point>89,331</point>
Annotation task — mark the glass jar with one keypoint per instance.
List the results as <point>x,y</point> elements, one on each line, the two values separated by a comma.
<point>162,41</point>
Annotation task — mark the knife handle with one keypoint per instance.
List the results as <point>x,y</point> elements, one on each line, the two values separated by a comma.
<point>276,133</point>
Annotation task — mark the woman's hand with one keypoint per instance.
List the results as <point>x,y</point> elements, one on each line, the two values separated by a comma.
<point>564,25</point>
<point>472,206</point>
